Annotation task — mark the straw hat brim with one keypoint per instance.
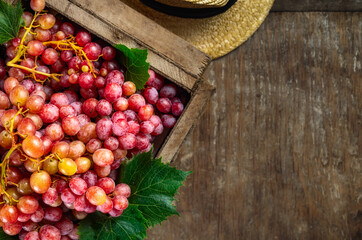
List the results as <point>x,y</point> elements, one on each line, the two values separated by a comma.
<point>216,35</point>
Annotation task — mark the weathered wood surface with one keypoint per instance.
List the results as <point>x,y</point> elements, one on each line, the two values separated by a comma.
<point>277,153</point>
<point>119,24</point>
<point>317,5</point>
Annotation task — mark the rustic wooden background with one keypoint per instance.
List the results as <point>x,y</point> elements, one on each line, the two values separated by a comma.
<point>317,5</point>
<point>277,155</point>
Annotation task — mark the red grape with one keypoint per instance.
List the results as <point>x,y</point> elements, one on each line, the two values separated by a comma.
<point>107,206</point>
<point>164,105</point>
<point>136,101</point>
<point>86,80</point>
<point>111,143</point>
<point>9,214</point>
<point>65,226</point>
<point>155,80</point>
<point>127,141</point>
<point>90,177</point>
<point>113,92</point>
<point>108,53</point>
<point>115,213</point>
<point>147,127</point>
<point>37,5</point>
<point>151,95</point>
<point>38,215</point>
<point>49,232</point>
<point>49,113</point>
<point>28,204</point>
<point>107,184</point>
<point>168,91</point>
<point>92,50</point>
<point>122,189</point>
<point>12,228</point>
<point>67,111</point>
<point>78,186</point>
<point>128,88</point>
<point>35,48</point>
<point>50,196</point>
<point>67,196</point>
<point>71,125</point>
<point>93,145</point>
<point>120,127</point>
<point>133,127</point>
<point>83,164</point>
<point>145,112</point>
<point>104,108</point>
<point>89,107</point>
<point>33,146</point>
<point>83,38</point>
<point>168,120</point>
<point>115,76</point>
<point>54,131</point>
<point>103,157</point>
<point>120,202</point>
<point>121,104</point>
<point>50,56</point>
<point>67,28</point>
<point>104,128</point>
<point>96,195</point>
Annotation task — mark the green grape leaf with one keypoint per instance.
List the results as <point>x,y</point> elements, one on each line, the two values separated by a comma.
<point>10,20</point>
<point>129,226</point>
<point>4,236</point>
<point>136,65</point>
<point>154,185</point>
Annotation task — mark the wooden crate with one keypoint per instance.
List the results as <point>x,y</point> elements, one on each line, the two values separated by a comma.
<point>168,54</point>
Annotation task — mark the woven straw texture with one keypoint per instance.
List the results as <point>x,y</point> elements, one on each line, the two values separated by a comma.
<point>217,35</point>
<point>194,3</point>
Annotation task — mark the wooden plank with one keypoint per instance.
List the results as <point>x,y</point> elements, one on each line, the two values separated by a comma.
<point>162,60</point>
<point>317,5</point>
<point>200,96</point>
<point>277,154</point>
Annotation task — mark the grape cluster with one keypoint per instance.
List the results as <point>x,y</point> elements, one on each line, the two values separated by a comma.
<point>68,119</point>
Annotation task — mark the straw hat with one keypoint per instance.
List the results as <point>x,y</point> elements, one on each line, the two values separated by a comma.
<point>216,27</point>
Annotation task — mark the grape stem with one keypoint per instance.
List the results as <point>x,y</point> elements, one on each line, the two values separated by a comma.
<point>70,44</point>
<point>4,166</point>
<point>65,44</point>
<point>21,52</point>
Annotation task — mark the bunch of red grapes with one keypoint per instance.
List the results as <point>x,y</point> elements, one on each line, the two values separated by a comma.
<point>68,119</point>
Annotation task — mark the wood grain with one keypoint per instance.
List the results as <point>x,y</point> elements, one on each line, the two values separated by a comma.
<point>318,5</point>
<point>277,154</point>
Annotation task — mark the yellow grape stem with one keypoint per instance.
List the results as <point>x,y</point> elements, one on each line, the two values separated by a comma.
<point>21,52</point>
<point>69,44</point>
<point>4,165</point>
<point>53,75</point>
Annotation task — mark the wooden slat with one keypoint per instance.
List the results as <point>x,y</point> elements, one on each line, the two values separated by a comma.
<point>317,5</point>
<point>117,23</point>
<point>277,153</point>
